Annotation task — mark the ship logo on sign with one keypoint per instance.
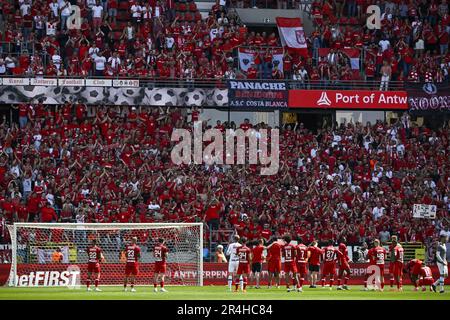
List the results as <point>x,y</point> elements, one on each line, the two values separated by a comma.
<point>323,100</point>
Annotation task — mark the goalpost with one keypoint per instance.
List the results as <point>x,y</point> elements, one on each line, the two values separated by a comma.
<point>54,254</point>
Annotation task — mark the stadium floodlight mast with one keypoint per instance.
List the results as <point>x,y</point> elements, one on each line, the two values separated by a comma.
<point>54,254</point>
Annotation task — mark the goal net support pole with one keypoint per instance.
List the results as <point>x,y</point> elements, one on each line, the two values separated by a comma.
<point>45,254</point>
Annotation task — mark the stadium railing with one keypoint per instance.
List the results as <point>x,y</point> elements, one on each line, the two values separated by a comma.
<point>222,83</point>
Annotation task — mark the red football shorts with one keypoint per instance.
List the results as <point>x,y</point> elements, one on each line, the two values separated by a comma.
<point>344,267</point>
<point>426,281</point>
<point>131,269</point>
<point>274,266</point>
<point>93,267</point>
<point>301,269</point>
<point>391,267</point>
<point>243,268</point>
<point>160,267</point>
<point>416,269</point>
<point>290,267</point>
<point>398,269</point>
<point>329,269</point>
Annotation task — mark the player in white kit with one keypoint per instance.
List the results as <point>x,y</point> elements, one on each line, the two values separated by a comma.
<point>441,261</point>
<point>233,261</point>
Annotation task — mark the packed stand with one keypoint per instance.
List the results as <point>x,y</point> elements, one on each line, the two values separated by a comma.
<point>73,163</point>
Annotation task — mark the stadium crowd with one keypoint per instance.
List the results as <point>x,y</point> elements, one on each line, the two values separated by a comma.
<point>74,163</point>
<point>168,39</point>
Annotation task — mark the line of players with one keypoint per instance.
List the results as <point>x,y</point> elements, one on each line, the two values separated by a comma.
<point>245,261</point>
<point>133,254</point>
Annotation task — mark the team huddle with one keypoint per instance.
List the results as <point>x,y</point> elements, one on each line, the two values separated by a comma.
<point>132,255</point>
<point>246,261</point>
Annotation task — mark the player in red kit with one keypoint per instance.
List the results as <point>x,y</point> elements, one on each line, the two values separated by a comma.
<point>160,253</point>
<point>301,256</point>
<point>377,257</point>
<point>344,267</point>
<point>290,267</point>
<point>95,255</point>
<point>426,277</point>
<point>257,260</point>
<point>329,264</point>
<point>314,262</point>
<point>392,261</point>
<point>274,261</point>
<point>244,254</point>
<point>398,265</point>
<point>413,270</point>
<point>133,254</point>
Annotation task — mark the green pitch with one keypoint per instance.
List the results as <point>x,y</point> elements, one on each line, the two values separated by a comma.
<point>215,293</point>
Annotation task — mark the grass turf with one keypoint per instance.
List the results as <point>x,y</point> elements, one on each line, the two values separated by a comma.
<point>214,293</point>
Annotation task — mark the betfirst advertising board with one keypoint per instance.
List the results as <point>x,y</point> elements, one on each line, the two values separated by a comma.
<point>348,99</point>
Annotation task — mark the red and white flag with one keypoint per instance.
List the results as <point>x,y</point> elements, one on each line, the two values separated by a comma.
<point>292,34</point>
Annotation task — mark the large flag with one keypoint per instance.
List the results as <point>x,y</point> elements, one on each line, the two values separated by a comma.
<point>292,34</point>
<point>247,56</point>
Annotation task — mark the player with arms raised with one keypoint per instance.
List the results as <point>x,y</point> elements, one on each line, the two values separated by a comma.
<point>398,264</point>
<point>329,264</point>
<point>95,255</point>
<point>301,256</point>
<point>441,261</point>
<point>133,254</point>
<point>344,267</point>
<point>377,258</point>
<point>245,259</point>
<point>160,253</point>
<point>290,267</point>
<point>233,262</point>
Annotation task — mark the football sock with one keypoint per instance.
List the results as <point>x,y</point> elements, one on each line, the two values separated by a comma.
<point>382,285</point>
<point>245,283</point>
<point>236,285</point>
<point>88,283</point>
<point>331,282</point>
<point>230,282</point>
<point>391,282</point>
<point>155,284</point>
<point>241,282</point>
<point>441,283</point>
<point>345,281</point>
<point>323,282</point>
<point>125,284</point>
<point>132,284</point>
<point>96,283</point>
<point>301,282</point>
<point>339,282</point>
<point>162,284</point>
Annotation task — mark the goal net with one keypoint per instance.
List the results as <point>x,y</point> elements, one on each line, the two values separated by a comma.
<point>54,254</point>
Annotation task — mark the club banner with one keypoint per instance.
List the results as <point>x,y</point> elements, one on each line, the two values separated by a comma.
<point>121,94</point>
<point>348,99</point>
<point>292,34</point>
<point>264,94</point>
<point>429,97</point>
<point>213,273</point>
<point>424,211</point>
<point>247,56</point>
